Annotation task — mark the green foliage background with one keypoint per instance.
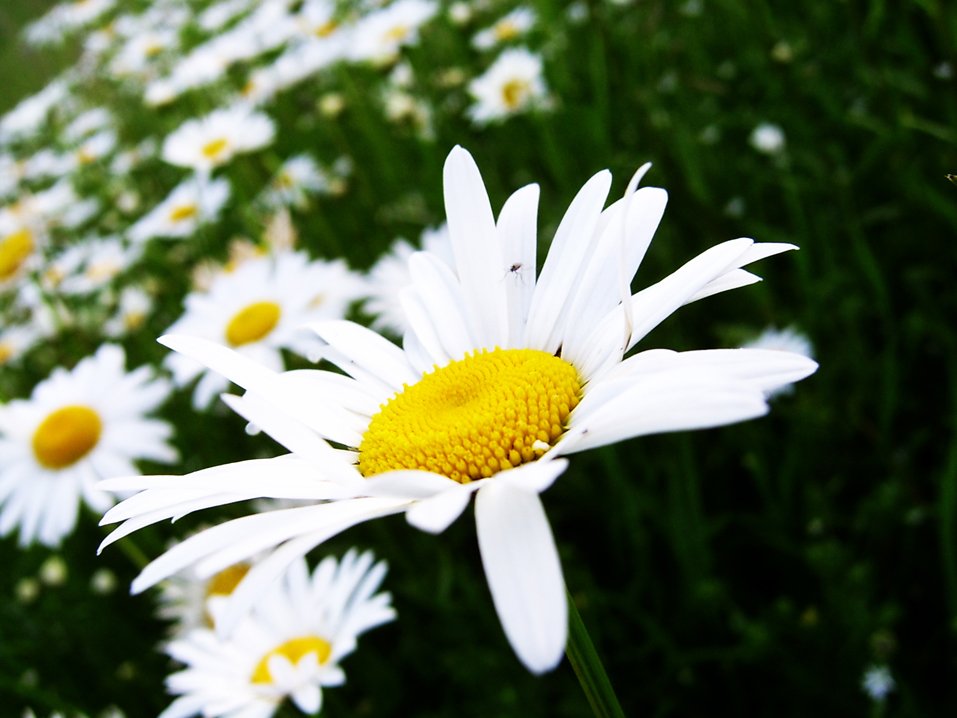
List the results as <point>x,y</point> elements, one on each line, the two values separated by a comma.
<point>757,569</point>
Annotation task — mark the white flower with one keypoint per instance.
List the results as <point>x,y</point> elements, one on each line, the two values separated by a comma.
<point>390,275</point>
<point>878,683</point>
<point>259,308</point>
<point>297,179</point>
<point>215,139</point>
<point>17,339</point>
<point>28,117</point>
<point>500,377</point>
<point>380,35</point>
<point>289,646</point>
<point>192,203</point>
<point>768,139</point>
<point>131,312</point>
<point>18,249</point>
<point>518,22</point>
<point>512,84</point>
<point>77,427</point>
<point>94,263</point>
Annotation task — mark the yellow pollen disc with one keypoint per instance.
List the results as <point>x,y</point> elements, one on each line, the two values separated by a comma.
<point>14,250</point>
<point>6,352</point>
<point>513,92</point>
<point>397,33</point>
<point>474,417</point>
<point>182,212</point>
<point>66,436</point>
<point>252,323</point>
<point>326,28</point>
<point>225,582</point>
<point>294,649</point>
<point>211,150</point>
<point>506,30</point>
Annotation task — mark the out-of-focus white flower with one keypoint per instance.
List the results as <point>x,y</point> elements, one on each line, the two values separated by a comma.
<point>95,148</point>
<point>132,310</point>
<point>218,14</point>
<point>380,35</point>
<point>878,683</point>
<point>92,264</point>
<point>289,647</point>
<point>88,123</point>
<point>29,116</point>
<point>511,27</point>
<point>299,178</point>
<point>215,139</point>
<point>17,339</point>
<point>53,571</point>
<point>260,308</point>
<point>390,275</point>
<point>192,203</point>
<point>784,340</point>
<point>767,138</point>
<point>512,84</point>
<point>139,53</point>
<point>78,426</point>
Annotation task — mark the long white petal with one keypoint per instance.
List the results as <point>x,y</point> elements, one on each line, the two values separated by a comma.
<point>436,513</point>
<point>370,352</point>
<point>477,254</point>
<point>517,233</point>
<point>563,264</point>
<point>524,573</point>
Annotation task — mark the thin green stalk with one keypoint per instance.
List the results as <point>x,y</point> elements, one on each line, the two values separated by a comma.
<point>588,667</point>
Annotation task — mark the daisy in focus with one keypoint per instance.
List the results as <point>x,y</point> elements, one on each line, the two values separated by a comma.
<point>259,308</point>
<point>512,84</point>
<point>290,646</point>
<point>78,426</point>
<point>500,376</point>
<point>213,140</point>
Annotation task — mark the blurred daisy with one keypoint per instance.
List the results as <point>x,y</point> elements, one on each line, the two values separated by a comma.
<point>215,139</point>
<point>16,340</point>
<point>260,308</point>
<point>298,179</point>
<point>289,647</point>
<point>95,147</point>
<point>18,248</point>
<point>78,426</point>
<point>380,35</point>
<point>768,139</point>
<point>29,116</point>
<point>878,683</point>
<point>131,313</point>
<point>499,377</point>
<point>95,263</point>
<point>390,275</point>
<point>192,203</point>
<point>512,26</point>
<point>184,598</point>
<point>512,84</point>
<point>785,340</point>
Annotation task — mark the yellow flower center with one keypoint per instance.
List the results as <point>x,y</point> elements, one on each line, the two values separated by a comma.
<point>514,92</point>
<point>252,323</point>
<point>14,250</point>
<point>326,28</point>
<point>66,436</point>
<point>397,33</point>
<point>225,582</point>
<point>506,30</point>
<point>183,212</point>
<point>211,150</point>
<point>294,649</point>
<point>7,350</point>
<point>474,417</point>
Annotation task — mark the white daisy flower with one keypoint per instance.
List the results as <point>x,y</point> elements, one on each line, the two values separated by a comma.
<point>380,35</point>
<point>219,13</point>
<point>878,683</point>
<point>94,148</point>
<point>194,202</point>
<point>17,339</point>
<point>215,139</point>
<point>289,647</point>
<point>77,427</point>
<point>184,598</point>
<point>29,116</point>
<point>88,123</point>
<point>95,263</point>
<point>299,178</point>
<point>132,311</point>
<point>512,26</point>
<point>390,275</point>
<point>512,84</point>
<point>260,308</point>
<point>500,377</point>
<point>18,249</point>
<point>768,139</point>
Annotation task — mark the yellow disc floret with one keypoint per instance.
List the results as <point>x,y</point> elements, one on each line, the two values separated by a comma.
<point>252,323</point>
<point>474,417</point>
<point>294,649</point>
<point>214,148</point>
<point>66,435</point>
<point>225,582</point>
<point>14,250</point>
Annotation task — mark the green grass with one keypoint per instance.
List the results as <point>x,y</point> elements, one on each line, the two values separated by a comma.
<point>756,569</point>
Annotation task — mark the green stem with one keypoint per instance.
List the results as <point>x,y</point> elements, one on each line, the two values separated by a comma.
<point>134,552</point>
<point>588,667</point>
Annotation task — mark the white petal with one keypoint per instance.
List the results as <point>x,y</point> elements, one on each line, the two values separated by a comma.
<point>422,331</point>
<point>436,513</point>
<point>407,484</point>
<point>441,296</point>
<point>308,698</point>
<point>362,348</point>
<point>477,255</point>
<point>524,573</point>
<point>517,233</point>
<point>562,267</point>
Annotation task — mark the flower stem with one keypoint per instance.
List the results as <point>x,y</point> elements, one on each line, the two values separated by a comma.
<point>588,667</point>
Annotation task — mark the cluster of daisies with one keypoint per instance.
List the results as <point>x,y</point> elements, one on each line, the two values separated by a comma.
<point>109,218</point>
